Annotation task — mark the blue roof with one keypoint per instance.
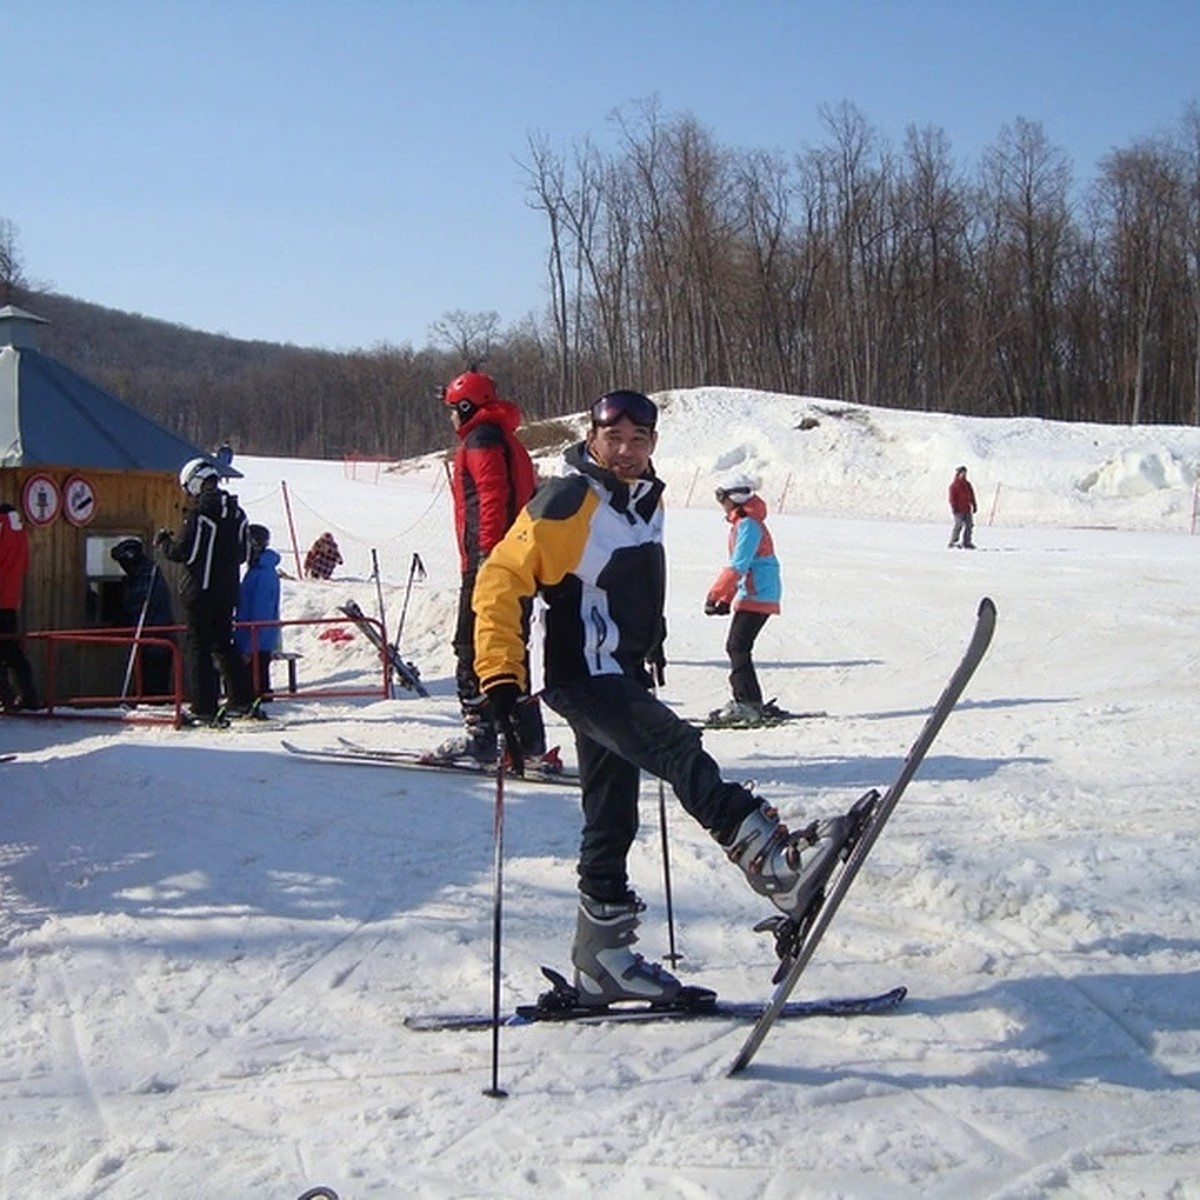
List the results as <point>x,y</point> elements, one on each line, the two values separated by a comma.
<point>53,417</point>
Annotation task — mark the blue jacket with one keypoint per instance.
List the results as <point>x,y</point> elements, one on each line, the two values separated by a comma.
<point>258,600</point>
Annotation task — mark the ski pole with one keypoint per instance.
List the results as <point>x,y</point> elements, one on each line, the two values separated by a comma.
<point>415,568</point>
<point>382,621</point>
<point>671,956</point>
<point>141,621</point>
<point>496,1091</point>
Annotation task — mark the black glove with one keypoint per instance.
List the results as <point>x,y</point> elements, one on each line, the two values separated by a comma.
<point>162,537</point>
<point>657,662</point>
<point>716,608</point>
<point>504,698</point>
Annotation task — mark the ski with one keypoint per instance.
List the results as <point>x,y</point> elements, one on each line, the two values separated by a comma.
<point>406,672</point>
<point>353,755</point>
<point>546,772</point>
<point>557,1006</point>
<point>7,757</point>
<point>779,717</point>
<point>797,941</point>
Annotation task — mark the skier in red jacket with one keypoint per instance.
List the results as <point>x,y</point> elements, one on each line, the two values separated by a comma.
<point>493,478</point>
<point>14,562</point>
<point>962,505</point>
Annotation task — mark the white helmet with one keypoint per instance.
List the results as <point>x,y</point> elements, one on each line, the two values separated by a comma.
<point>193,474</point>
<point>738,487</point>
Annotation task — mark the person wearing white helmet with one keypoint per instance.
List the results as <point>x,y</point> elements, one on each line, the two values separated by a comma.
<point>750,587</point>
<point>211,546</point>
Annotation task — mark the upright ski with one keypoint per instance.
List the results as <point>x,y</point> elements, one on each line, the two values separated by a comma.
<point>406,672</point>
<point>799,940</point>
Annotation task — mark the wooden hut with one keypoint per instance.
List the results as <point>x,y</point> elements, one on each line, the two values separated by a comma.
<point>86,471</point>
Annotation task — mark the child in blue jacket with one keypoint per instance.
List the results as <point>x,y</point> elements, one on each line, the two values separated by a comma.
<point>750,587</point>
<point>258,600</point>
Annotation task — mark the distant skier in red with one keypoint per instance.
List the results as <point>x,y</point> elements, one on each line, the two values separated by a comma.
<point>963,507</point>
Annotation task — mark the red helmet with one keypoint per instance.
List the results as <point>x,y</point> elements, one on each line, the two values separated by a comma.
<point>471,390</point>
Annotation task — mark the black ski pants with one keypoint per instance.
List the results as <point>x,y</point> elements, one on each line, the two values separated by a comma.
<point>209,646</point>
<point>12,658</point>
<point>621,729</point>
<point>744,628</point>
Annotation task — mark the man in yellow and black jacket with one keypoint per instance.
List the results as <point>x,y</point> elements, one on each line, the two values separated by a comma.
<point>590,545</point>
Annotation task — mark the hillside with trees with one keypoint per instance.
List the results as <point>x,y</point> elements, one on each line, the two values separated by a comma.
<point>889,276</point>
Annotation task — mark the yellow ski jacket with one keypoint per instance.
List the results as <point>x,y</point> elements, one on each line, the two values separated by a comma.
<point>590,545</point>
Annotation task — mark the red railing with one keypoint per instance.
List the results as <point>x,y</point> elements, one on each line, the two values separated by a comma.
<point>126,707</point>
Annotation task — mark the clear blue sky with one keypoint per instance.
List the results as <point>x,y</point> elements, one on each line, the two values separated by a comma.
<point>343,173</point>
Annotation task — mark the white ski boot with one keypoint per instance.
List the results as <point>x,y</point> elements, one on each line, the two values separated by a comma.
<point>788,868</point>
<point>606,969</point>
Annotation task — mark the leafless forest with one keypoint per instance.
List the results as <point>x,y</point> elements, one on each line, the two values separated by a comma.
<point>886,275</point>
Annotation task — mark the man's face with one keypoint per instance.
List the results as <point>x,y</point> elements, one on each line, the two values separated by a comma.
<point>624,448</point>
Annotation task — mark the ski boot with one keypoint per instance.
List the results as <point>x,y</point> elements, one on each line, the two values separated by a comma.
<point>606,969</point>
<point>792,869</point>
<point>776,866</point>
<point>476,743</point>
<point>736,714</point>
<point>549,764</point>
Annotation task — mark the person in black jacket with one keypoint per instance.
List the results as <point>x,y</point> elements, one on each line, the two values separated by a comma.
<point>211,546</point>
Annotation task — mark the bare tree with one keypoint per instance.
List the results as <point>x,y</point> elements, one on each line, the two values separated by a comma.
<point>13,283</point>
<point>1190,182</point>
<point>471,335</point>
<point>1027,214</point>
<point>1141,196</point>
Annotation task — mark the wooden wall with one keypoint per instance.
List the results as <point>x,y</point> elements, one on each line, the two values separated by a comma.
<point>136,503</point>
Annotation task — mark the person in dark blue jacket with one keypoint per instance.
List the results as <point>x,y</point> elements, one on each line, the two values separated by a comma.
<point>147,603</point>
<point>258,600</point>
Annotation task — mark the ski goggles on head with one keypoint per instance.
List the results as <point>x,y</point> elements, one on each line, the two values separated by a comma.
<point>738,495</point>
<point>612,406</point>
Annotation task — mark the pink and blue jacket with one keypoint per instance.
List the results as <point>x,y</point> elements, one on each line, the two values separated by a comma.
<point>751,580</point>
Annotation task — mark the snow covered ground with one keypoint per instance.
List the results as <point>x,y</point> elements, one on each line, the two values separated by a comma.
<point>208,946</point>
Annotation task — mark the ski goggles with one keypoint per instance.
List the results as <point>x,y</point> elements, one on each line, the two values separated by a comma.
<point>612,406</point>
<point>739,495</point>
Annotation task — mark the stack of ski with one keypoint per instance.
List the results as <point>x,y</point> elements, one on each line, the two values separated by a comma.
<point>406,672</point>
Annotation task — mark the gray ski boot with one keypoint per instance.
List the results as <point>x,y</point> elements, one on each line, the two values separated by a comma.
<point>788,868</point>
<point>606,969</point>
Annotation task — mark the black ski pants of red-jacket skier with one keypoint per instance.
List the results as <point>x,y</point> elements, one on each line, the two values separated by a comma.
<point>621,729</point>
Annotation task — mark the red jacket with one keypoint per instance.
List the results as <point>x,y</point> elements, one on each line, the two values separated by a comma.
<point>493,480</point>
<point>962,495</point>
<point>14,556</point>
